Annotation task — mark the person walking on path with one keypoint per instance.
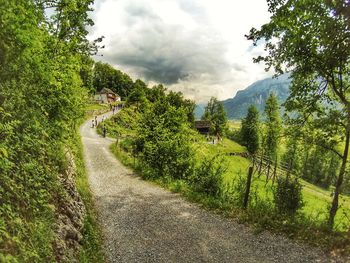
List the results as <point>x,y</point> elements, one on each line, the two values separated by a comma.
<point>104,131</point>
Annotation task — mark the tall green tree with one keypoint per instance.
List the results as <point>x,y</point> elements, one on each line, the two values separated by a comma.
<point>216,114</point>
<point>177,99</point>
<point>250,130</point>
<point>273,127</point>
<point>163,141</point>
<point>311,39</point>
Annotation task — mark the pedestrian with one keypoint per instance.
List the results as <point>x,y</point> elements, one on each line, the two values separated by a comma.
<point>95,121</point>
<point>104,131</point>
<point>92,123</point>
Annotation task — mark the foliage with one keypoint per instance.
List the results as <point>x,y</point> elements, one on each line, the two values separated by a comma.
<point>310,38</point>
<point>287,195</point>
<point>216,114</point>
<point>137,97</point>
<point>177,99</point>
<point>273,127</point>
<point>41,99</point>
<point>292,155</point>
<point>321,167</point>
<point>208,176</point>
<point>105,76</point>
<point>250,130</point>
<point>163,139</point>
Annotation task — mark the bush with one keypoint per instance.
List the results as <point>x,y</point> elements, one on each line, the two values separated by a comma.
<point>287,196</point>
<point>207,178</point>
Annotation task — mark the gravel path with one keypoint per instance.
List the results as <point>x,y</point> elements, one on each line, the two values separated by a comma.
<point>142,222</point>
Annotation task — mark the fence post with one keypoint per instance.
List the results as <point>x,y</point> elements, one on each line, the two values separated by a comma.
<point>274,171</point>
<point>261,163</point>
<point>247,190</point>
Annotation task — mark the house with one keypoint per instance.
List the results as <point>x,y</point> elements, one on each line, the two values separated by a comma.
<point>202,127</point>
<point>106,96</point>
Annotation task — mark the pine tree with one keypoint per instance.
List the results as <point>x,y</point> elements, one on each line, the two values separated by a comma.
<point>273,127</point>
<point>273,130</point>
<point>250,130</point>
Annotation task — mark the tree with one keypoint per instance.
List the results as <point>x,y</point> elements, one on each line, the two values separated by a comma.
<point>216,114</point>
<point>250,130</point>
<point>137,97</point>
<point>311,39</point>
<point>163,141</point>
<point>105,76</point>
<point>273,127</point>
<point>177,99</point>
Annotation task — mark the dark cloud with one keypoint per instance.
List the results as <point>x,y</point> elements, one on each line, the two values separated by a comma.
<point>163,52</point>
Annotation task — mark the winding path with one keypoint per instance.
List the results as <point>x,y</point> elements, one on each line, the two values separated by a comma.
<point>142,222</point>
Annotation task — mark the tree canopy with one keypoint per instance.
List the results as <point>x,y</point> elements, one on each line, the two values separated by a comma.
<point>106,76</point>
<point>250,130</point>
<point>216,114</point>
<point>41,99</point>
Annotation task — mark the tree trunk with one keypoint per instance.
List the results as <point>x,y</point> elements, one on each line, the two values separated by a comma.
<point>268,171</point>
<point>334,207</point>
<point>261,163</point>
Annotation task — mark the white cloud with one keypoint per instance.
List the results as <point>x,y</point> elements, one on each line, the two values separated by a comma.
<point>194,46</point>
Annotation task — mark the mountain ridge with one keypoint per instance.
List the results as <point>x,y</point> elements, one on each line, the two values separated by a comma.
<point>256,94</point>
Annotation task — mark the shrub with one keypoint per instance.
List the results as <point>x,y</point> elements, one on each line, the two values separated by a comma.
<point>207,177</point>
<point>287,195</point>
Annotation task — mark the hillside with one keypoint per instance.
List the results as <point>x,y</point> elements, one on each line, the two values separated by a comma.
<point>257,94</point>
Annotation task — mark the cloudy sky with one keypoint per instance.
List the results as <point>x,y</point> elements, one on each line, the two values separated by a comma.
<point>194,46</point>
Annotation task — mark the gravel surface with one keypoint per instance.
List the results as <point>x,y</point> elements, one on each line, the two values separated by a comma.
<point>142,222</point>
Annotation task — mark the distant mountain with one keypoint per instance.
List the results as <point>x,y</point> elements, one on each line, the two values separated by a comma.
<point>199,111</point>
<point>256,94</point>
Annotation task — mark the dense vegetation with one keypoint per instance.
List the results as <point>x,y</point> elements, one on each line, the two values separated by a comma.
<point>310,39</point>
<point>105,76</point>
<point>42,94</point>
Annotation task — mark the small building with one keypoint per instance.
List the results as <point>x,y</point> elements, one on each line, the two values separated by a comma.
<point>106,96</point>
<point>203,127</point>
